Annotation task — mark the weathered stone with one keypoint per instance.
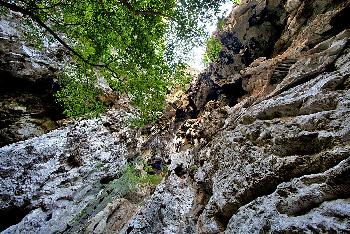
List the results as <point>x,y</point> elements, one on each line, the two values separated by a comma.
<point>266,150</point>
<point>52,178</point>
<point>165,211</point>
<point>112,218</point>
<point>310,203</point>
<point>278,160</point>
<point>249,33</point>
<point>27,83</point>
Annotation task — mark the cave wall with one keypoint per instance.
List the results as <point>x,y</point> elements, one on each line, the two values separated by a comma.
<point>261,41</point>
<point>28,80</point>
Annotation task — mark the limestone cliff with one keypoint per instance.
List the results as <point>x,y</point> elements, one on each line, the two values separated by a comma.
<point>262,144</point>
<point>28,79</point>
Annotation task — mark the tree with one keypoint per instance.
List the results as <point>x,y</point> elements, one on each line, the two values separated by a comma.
<point>136,45</point>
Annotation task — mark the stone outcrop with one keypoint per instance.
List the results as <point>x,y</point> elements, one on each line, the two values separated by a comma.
<point>49,180</point>
<point>262,144</point>
<point>261,41</point>
<point>279,165</point>
<point>27,83</point>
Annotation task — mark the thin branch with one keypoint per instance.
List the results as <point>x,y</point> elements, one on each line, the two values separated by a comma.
<point>48,7</point>
<point>131,8</point>
<point>36,19</point>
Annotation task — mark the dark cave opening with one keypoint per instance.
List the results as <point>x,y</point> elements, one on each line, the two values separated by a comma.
<point>233,92</point>
<point>29,100</point>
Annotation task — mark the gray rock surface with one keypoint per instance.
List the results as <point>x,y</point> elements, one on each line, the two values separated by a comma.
<point>238,179</point>
<point>311,203</point>
<point>278,160</point>
<point>28,79</point>
<point>49,180</point>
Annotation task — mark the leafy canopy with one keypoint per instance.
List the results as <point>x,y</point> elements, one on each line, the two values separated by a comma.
<point>137,45</point>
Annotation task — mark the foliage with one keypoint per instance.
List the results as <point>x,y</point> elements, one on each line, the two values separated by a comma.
<point>79,94</point>
<point>237,1</point>
<point>220,24</point>
<point>133,178</point>
<point>137,45</point>
<point>213,48</point>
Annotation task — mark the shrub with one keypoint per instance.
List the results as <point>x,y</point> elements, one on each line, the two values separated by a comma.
<point>213,48</point>
<point>133,178</point>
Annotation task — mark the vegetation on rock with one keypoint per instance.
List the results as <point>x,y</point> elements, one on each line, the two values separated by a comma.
<point>213,48</point>
<point>133,178</point>
<point>137,46</point>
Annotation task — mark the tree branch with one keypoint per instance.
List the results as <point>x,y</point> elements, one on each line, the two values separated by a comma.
<point>131,8</point>
<point>35,18</point>
<point>26,12</point>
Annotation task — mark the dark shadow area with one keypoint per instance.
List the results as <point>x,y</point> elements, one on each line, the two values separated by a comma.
<point>26,101</point>
<point>339,23</point>
<point>180,171</point>
<point>12,216</point>
<point>233,92</point>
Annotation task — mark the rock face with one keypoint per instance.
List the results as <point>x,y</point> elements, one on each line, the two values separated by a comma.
<point>49,180</point>
<point>261,41</point>
<point>280,165</point>
<point>265,147</point>
<point>278,160</point>
<point>27,83</point>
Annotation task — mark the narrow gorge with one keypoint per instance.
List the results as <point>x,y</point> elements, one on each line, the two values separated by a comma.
<point>259,142</point>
